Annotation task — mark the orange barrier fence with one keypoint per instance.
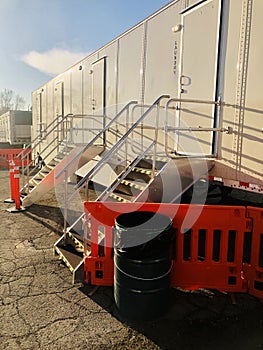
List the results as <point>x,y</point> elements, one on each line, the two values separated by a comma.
<point>11,154</point>
<point>216,247</point>
<point>253,259</point>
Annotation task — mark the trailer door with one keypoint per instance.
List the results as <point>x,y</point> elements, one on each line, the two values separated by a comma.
<point>98,86</point>
<point>59,99</point>
<point>198,75</point>
<point>39,113</point>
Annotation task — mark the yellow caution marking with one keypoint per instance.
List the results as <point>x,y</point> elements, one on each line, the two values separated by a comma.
<point>159,159</point>
<point>142,171</point>
<point>133,185</point>
<point>78,244</point>
<point>120,199</point>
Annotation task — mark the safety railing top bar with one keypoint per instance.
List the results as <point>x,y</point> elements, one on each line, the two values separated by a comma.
<point>216,129</point>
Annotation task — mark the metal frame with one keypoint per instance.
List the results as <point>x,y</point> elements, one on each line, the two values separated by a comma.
<point>216,130</point>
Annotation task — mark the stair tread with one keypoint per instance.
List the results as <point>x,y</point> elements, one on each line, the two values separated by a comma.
<point>134,183</point>
<point>70,254</point>
<point>121,197</point>
<point>142,169</point>
<point>77,236</point>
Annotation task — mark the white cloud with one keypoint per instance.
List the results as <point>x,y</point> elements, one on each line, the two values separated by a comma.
<point>54,61</point>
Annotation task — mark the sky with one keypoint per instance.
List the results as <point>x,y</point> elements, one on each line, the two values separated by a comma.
<point>41,38</point>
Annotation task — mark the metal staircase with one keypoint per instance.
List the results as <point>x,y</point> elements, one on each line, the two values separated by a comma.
<point>124,158</point>
<point>72,139</point>
<point>52,146</point>
<point>138,164</point>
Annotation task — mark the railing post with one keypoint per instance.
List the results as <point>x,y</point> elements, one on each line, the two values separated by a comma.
<point>127,128</point>
<point>86,233</point>
<point>23,166</point>
<point>65,206</point>
<point>155,139</point>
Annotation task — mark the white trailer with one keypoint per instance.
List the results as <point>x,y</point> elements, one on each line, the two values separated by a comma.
<point>15,127</point>
<point>205,54</point>
<point>152,114</point>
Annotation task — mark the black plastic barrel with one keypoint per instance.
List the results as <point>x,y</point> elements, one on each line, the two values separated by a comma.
<point>142,271</point>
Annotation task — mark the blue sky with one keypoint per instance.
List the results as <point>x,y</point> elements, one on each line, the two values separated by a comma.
<point>41,38</point>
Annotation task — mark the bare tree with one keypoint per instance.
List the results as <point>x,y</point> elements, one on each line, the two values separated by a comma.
<point>9,100</point>
<point>19,102</point>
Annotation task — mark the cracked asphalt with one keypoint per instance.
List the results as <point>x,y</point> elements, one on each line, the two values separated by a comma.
<point>41,309</point>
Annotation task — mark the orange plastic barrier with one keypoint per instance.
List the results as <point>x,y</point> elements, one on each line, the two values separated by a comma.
<point>11,154</point>
<point>253,262</point>
<point>216,247</point>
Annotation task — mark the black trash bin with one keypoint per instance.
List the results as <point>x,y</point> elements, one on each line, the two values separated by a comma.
<point>142,264</point>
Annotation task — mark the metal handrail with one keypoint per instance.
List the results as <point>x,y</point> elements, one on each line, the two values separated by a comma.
<point>95,138</point>
<point>50,131</point>
<point>52,127</point>
<point>104,159</point>
<point>189,100</point>
<point>37,137</point>
<point>167,129</point>
<point>117,144</point>
<point>36,166</point>
<point>54,124</point>
<point>108,191</point>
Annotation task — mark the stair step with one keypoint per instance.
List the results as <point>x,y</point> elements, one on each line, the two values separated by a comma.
<point>136,175</point>
<point>53,163</point>
<point>69,256</point>
<point>142,170</point>
<point>160,158</point>
<point>59,157</point>
<point>47,169</point>
<point>147,163</point>
<point>77,240</point>
<point>134,184</point>
<point>36,181</point>
<point>39,177</point>
<point>120,198</point>
<point>130,188</point>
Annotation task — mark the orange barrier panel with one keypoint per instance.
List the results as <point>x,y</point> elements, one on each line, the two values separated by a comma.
<point>99,265</point>
<point>209,254</point>
<point>211,245</point>
<point>9,154</point>
<point>253,264</point>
